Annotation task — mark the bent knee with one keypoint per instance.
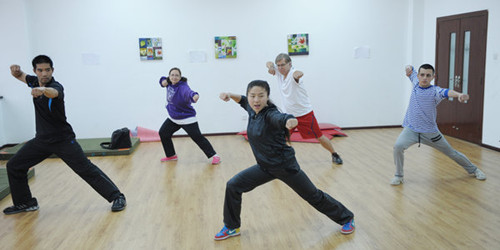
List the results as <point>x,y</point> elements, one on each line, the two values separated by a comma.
<point>165,133</point>
<point>399,147</point>
<point>235,186</point>
<point>232,184</point>
<point>16,170</point>
<point>12,166</point>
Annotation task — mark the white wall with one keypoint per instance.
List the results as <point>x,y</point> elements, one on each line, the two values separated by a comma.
<point>434,9</point>
<point>2,134</point>
<point>17,120</point>
<point>123,91</point>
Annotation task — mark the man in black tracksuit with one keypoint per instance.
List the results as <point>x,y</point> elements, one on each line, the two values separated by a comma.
<point>54,135</point>
<point>267,129</point>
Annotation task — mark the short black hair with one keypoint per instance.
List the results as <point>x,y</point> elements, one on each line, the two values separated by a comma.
<point>426,66</point>
<point>259,83</point>
<point>42,59</point>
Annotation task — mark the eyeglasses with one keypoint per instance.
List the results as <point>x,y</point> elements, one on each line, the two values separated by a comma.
<point>281,65</point>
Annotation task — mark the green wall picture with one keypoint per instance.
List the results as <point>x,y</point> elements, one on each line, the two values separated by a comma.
<point>225,47</point>
<point>298,44</point>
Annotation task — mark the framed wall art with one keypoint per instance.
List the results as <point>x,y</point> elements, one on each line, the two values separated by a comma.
<point>150,49</point>
<point>225,47</point>
<point>298,44</point>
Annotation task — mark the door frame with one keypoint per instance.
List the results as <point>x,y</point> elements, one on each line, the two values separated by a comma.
<point>482,61</point>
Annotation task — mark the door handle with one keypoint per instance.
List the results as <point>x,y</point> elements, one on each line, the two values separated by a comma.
<point>456,82</point>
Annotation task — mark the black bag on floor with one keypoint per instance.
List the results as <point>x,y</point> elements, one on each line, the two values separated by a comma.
<point>119,139</point>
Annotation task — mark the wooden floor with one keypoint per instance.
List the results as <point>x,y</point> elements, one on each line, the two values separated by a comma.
<point>178,205</point>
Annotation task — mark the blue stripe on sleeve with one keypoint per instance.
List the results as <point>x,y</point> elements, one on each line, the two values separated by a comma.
<point>50,104</point>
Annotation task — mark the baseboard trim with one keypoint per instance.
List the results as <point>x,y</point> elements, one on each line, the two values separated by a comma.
<point>490,147</point>
<point>346,128</point>
<point>372,127</point>
<point>209,134</point>
<point>8,145</point>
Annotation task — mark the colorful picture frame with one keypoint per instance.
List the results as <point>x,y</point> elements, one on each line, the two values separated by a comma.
<point>225,47</point>
<point>150,49</point>
<point>298,44</point>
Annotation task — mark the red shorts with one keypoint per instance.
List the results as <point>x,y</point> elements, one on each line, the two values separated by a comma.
<point>308,126</point>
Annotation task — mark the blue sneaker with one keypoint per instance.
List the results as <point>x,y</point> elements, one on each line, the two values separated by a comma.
<point>226,233</point>
<point>348,228</point>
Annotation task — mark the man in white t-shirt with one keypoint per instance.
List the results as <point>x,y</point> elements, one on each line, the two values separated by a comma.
<point>296,101</point>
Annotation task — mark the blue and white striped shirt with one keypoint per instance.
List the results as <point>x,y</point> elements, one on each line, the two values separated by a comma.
<point>421,113</point>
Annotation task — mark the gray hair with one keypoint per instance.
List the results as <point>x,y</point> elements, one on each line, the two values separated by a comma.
<point>283,56</point>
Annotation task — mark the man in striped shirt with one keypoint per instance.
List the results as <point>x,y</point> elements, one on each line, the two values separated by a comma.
<point>420,122</point>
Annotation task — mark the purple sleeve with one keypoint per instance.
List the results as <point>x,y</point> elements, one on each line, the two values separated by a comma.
<point>161,80</point>
<point>193,93</point>
<point>188,94</point>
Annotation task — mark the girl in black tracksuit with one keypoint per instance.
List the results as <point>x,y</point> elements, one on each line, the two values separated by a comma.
<point>267,131</point>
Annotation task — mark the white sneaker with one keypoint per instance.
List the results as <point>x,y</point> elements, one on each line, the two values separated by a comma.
<point>479,174</point>
<point>397,181</point>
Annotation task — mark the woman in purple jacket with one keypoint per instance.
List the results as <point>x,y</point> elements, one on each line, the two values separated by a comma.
<point>182,115</point>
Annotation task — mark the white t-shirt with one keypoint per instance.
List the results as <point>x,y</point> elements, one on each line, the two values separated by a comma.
<point>294,95</point>
<point>185,121</point>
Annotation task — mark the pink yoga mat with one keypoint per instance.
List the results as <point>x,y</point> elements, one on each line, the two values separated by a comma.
<point>329,130</point>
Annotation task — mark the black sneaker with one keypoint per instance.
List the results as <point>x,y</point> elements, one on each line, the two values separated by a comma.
<point>336,159</point>
<point>119,203</point>
<point>31,205</point>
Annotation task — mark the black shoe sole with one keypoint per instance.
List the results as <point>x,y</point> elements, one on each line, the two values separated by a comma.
<point>338,163</point>
<point>30,209</point>
<point>117,209</point>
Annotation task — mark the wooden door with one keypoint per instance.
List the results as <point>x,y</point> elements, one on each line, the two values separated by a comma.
<point>460,65</point>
